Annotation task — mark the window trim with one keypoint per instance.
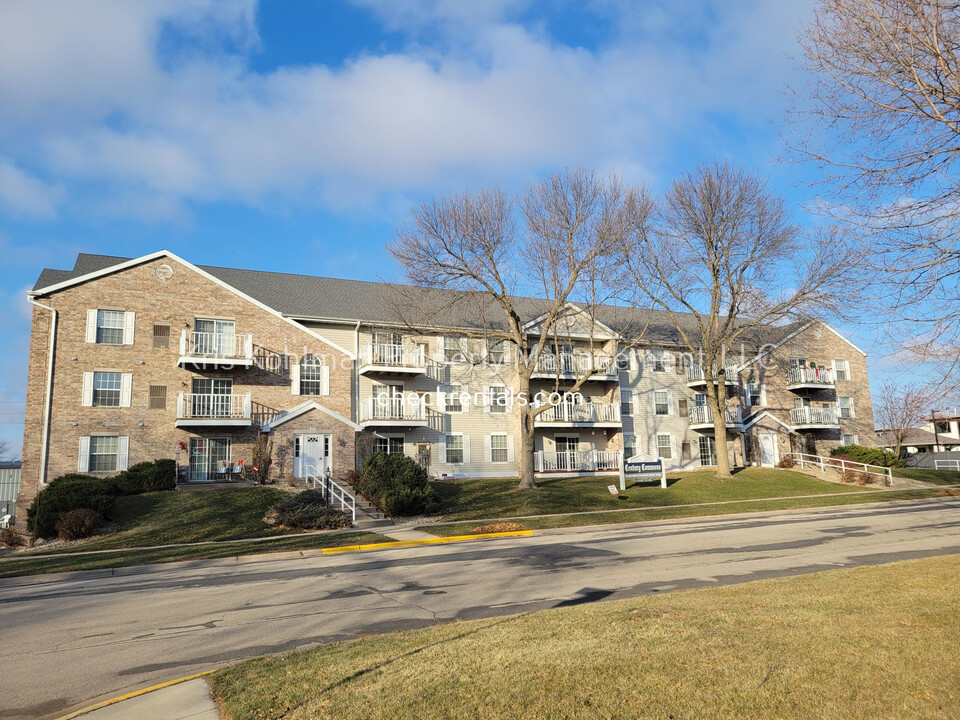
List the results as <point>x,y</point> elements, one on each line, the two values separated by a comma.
<point>461,449</point>
<point>659,448</point>
<point>118,390</point>
<point>505,448</point>
<point>666,403</point>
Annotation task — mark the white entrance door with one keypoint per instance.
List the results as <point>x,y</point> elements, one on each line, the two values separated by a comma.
<point>311,456</point>
<point>768,449</point>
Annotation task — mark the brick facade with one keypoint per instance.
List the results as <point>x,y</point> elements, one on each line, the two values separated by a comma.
<point>175,301</point>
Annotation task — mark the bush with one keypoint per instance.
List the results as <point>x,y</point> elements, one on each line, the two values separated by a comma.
<point>396,484</point>
<point>498,528</point>
<point>786,463</point>
<point>76,490</point>
<point>868,456</point>
<point>11,538</point>
<point>308,511</point>
<point>78,524</point>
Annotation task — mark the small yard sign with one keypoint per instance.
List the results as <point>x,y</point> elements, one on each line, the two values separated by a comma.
<point>613,489</point>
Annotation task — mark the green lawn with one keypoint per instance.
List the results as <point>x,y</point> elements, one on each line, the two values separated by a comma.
<point>164,518</point>
<point>170,518</point>
<point>35,564</point>
<point>493,498</point>
<point>862,643</point>
<point>938,477</point>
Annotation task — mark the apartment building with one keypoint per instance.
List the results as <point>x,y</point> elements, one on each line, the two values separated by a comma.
<point>136,359</point>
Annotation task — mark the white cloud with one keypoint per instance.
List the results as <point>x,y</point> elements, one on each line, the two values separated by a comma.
<point>24,195</point>
<point>101,106</point>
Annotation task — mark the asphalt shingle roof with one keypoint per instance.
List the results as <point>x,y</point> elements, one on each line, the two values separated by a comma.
<point>309,296</point>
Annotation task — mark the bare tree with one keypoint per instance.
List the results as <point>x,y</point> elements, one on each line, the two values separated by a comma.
<point>886,128</point>
<point>4,449</point>
<point>720,250</point>
<point>555,242</point>
<point>897,409</point>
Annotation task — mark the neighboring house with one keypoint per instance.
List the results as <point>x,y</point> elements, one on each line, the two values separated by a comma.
<point>945,428</point>
<point>914,441</point>
<point>131,359</point>
<point>9,487</point>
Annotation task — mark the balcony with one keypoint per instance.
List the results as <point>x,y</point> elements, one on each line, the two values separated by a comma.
<point>814,418</point>
<point>407,412</point>
<point>573,365</point>
<point>215,350</point>
<point>804,378</point>
<point>696,377</point>
<point>213,410</point>
<point>575,461</point>
<point>389,359</point>
<point>580,415</point>
<point>701,417</point>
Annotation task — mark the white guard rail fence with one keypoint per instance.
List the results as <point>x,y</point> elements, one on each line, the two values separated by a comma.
<point>576,461</point>
<point>947,465</point>
<point>805,460</point>
<point>335,495</point>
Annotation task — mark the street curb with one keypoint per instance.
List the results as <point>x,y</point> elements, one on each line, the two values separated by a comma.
<point>426,541</point>
<point>131,695</point>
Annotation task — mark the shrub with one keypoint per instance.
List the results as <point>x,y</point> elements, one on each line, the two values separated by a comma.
<point>786,463</point>
<point>396,484</point>
<point>308,511</point>
<point>76,490</point>
<point>78,524</point>
<point>11,538</point>
<point>868,456</point>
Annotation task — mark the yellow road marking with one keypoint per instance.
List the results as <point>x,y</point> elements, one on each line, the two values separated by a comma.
<point>131,695</point>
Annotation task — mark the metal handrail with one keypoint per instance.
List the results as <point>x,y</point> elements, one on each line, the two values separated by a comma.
<point>581,412</point>
<point>213,406</point>
<point>194,343</point>
<point>392,354</point>
<point>696,373</point>
<point>704,414</point>
<point>569,363</point>
<point>813,416</point>
<point>804,459</point>
<point>373,408</point>
<point>810,376</point>
<point>576,460</point>
<point>333,491</point>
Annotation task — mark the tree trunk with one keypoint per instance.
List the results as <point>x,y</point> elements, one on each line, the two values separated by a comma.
<point>527,442</point>
<point>717,395</point>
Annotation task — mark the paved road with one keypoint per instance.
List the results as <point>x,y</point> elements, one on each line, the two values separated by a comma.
<point>74,641</point>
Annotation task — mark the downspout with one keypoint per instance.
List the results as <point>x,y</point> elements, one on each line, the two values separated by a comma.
<point>44,448</point>
<point>355,401</point>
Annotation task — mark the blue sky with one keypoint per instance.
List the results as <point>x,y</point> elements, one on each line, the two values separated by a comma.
<point>293,135</point>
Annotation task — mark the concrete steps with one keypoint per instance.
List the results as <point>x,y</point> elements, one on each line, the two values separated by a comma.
<point>367,514</point>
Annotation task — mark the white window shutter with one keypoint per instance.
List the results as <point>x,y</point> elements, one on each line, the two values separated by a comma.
<point>763,396</point>
<point>487,450</point>
<point>853,414</point>
<point>126,386</point>
<point>442,451</point>
<point>670,410</point>
<point>325,380</point>
<point>129,323</point>
<point>87,397</point>
<point>466,449</point>
<point>123,452</point>
<point>180,400</point>
<point>509,448</point>
<point>91,326</point>
<point>440,344</point>
<point>295,379</point>
<point>83,455</point>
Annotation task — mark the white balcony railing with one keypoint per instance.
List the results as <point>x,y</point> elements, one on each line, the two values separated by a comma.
<point>590,412</point>
<point>813,416</point>
<point>810,376</point>
<point>695,373</point>
<point>576,461</point>
<point>702,414</point>
<point>207,406</point>
<point>576,363</point>
<point>392,355</point>
<point>408,408</point>
<point>227,346</point>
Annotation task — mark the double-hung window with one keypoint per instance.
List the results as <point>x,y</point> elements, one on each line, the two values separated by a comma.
<point>104,451</point>
<point>841,369</point>
<point>845,404</point>
<point>454,349</point>
<point>753,395</point>
<point>851,440</point>
<point>497,352</point>
<point>106,389</point>
<point>388,445</point>
<point>453,400</point>
<point>626,401</point>
<point>661,402</point>
<point>498,448</point>
<point>658,363</point>
<point>311,376</point>
<point>664,446</point>
<point>498,399</point>
<point>110,325</point>
<point>454,449</point>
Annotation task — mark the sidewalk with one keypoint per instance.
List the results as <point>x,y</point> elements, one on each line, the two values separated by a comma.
<point>191,699</point>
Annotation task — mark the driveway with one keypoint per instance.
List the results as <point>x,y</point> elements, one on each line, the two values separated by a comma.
<point>73,641</point>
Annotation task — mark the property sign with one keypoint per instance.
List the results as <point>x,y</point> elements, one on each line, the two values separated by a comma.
<point>613,489</point>
<point>641,467</point>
